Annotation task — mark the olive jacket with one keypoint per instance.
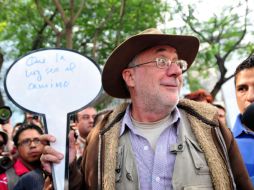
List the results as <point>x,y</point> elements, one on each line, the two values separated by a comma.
<point>216,143</point>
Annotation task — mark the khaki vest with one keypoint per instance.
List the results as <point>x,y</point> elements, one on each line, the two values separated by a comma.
<point>190,170</point>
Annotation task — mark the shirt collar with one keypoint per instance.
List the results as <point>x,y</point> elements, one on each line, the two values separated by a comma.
<point>238,127</point>
<point>127,123</point>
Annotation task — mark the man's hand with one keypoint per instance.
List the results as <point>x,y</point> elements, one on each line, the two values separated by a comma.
<point>50,155</point>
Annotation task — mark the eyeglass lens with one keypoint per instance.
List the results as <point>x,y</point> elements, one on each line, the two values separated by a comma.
<point>28,142</point>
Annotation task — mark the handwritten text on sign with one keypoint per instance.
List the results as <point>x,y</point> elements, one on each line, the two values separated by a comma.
<point>61,65</point>
<point>53,77</point>
<point>54,83</point>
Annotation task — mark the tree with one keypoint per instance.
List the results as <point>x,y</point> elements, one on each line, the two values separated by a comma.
<point>68,21</point>
<point>92,27</point>
<point>222,36</point>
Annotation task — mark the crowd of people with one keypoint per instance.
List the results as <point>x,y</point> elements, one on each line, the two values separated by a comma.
<point>155,140</point>
<point>21,148</point>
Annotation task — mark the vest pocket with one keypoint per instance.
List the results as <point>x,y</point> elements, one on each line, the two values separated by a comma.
<point>129,167</point>
<point>126,177</point>
<point>119,163</point>
<point>198,157</point>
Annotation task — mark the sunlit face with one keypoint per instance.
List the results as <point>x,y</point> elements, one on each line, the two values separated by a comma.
<point>152,86</point>
<point>85,121</point>
<point>244,88</point>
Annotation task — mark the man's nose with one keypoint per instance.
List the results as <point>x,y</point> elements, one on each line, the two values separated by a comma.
<point>32,144</point>
<point>250,96</point>
<point>91,119</point>
<point>174,69</point>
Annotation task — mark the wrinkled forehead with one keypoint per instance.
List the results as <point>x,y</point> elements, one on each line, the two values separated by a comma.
<point>159,49</point>
<point>28,133</point>
<point>87,111</point>
<point>244,75</point>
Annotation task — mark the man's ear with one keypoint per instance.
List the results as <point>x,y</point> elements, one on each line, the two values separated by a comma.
<point>128,77</point>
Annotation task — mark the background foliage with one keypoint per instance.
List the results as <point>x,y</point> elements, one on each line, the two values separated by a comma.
<point>96,27</point>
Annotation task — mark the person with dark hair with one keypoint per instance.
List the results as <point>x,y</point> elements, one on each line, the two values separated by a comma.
<point>29,147</point>
<point>244,89</point>
<point>84,121</point>
<point>154,141</point>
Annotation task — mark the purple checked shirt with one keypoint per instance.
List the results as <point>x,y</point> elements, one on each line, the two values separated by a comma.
<point>155,167</point>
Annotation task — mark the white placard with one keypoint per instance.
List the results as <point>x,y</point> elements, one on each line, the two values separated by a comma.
<point>54,83</point>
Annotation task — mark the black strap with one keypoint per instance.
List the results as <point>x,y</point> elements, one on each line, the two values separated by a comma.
<point>12,178</point>
<point>197,115</point>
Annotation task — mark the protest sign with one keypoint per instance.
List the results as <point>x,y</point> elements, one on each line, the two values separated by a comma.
<point>54,83</point>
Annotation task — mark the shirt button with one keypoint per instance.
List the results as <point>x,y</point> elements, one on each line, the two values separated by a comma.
<point>157,179</point>
<point>128,175</point>
<point>146,148</point>
<point>180,147</point>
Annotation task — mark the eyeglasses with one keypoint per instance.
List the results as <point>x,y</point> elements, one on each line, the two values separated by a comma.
<point>163,63</point>
<point>28,142</point>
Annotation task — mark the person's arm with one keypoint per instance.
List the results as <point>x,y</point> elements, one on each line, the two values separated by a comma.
<point>50,155</point>
<point>75,177</point>
<point>239,170</point>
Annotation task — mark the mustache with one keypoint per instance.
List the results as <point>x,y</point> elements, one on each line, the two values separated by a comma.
<point>171,82</point>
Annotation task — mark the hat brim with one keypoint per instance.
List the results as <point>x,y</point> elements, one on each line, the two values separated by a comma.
<point>112,81</point>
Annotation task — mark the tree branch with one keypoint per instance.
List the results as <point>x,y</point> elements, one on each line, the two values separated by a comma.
<point>61,11</point>
<point>45,18</point>
<point>81,6</point>
<point>243,33</point>
<point>188,19</point>
<point>38,39</point>
<point>99,30</point>
<point>71,10</point>
<point>122,11</point>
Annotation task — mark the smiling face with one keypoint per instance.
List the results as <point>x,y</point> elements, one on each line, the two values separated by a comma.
<point>152,88</point>
<point>244,82</point>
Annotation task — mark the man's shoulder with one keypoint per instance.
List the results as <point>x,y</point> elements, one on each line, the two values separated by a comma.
<point>20,168</point>
<point>115,115</point>
<point>36,174</point>
<point>198,109</point>
<point>237,128</point>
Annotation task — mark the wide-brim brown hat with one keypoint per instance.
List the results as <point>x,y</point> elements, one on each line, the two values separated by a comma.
<point>112,81</point>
